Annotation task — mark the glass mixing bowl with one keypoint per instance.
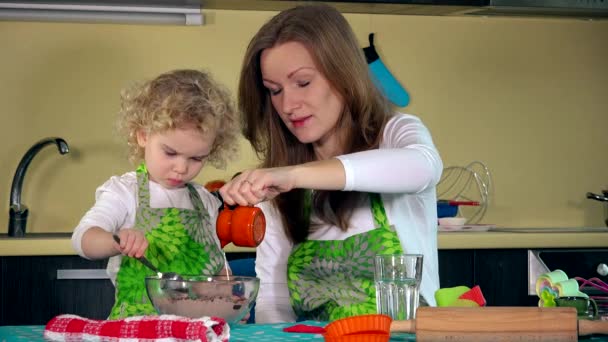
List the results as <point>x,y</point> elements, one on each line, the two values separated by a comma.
<point>230,298</point>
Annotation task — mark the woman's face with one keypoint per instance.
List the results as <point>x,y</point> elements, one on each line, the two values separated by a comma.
<point>305,100</point>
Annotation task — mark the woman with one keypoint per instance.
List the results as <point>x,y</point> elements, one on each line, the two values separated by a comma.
<point>345,176</point>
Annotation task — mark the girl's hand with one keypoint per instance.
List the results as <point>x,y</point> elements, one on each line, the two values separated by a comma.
<point>254,186</point>
<point>133,242</point>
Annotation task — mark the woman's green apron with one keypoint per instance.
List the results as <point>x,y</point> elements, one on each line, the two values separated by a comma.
<point>332,279</point>
<point>180,240</point>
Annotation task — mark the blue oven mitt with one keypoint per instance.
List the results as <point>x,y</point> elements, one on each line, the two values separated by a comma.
<point>383,77</point>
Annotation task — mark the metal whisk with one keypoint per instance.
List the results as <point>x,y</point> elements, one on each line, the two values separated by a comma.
<point>472,182</point>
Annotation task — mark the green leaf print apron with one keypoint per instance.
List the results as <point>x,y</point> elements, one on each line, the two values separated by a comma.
<point>180,240</point>
<point>332,279</point>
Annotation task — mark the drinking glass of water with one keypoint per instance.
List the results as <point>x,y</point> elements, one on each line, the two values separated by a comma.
<point>398,279</point>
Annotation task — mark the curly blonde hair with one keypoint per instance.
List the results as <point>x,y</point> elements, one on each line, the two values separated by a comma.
<point>178,99</point>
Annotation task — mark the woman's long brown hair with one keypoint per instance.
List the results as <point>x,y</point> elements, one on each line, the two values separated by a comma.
<point>337,55</point>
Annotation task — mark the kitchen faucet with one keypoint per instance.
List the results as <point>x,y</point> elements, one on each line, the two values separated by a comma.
<point>18,212</point>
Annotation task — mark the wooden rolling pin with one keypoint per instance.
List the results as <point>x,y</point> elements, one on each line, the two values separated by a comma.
<point>498,324</point>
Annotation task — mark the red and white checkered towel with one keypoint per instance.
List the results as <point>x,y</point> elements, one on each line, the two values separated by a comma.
<point>163,328</point>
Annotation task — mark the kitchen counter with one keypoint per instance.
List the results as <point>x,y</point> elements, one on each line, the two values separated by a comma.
<point>526,238</point>
<point>59,243</point>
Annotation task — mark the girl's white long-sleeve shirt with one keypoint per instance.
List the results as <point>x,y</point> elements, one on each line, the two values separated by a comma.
<point>116,204</point>
<point>405,170</point>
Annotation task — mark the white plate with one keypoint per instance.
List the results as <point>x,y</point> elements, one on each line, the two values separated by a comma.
<point>467,228</point>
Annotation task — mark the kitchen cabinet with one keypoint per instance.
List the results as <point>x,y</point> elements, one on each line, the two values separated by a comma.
<point>30,292</point>
<point>585,263</point>
<point>456,267</point>
<point>502,274</point>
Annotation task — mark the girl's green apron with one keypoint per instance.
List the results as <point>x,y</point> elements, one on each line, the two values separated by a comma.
<point>332,279</point>
<point>180,240</point>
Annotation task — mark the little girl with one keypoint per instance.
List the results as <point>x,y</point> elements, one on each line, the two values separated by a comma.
<point>173,125</point>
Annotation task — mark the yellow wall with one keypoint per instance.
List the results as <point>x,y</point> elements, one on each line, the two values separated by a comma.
<point>528,97</point>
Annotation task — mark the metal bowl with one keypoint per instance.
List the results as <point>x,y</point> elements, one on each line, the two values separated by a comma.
<point>230,298</point>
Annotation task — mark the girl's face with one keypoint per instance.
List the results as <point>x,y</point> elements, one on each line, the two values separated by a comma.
<point>175,157</point>
<point>305,100</point>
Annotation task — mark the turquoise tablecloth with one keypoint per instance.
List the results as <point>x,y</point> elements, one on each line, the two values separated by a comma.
<point>238,333</point>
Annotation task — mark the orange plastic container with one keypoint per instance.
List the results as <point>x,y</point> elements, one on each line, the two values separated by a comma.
<point>243,226</point>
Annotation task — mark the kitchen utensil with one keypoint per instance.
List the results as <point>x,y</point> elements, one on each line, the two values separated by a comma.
<point>444,209</point>
<point>196,296</point>
<point>466,228</point>
<point>597,197</point>
<point>586,307</point>
<point>601,198</point>
<point>449,208</point>
<point>383,78</point>
<point>471,183</point>
<point>243,226</point>
<point>477,324</point>
<point>452,221</point>
<point>148,264</point>
<point>454,202</point>
<point>596,289</point>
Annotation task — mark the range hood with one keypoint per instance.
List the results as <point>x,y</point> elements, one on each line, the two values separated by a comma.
<point>188,12</point>
<point>586,9</point>
<point>166,12</point>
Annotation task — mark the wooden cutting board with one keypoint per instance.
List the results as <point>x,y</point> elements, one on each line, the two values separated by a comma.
<point>498,324</point>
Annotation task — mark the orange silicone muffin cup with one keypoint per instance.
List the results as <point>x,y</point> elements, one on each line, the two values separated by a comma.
<point>359,338</point>
<point>372,324</point>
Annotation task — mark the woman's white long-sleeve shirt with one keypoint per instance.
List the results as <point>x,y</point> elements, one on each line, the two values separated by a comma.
<point>116,205</point>
<point>405,170</point>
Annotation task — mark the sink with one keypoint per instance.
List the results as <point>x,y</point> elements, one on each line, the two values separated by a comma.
<point>58,235</point>
<point>551,230</point>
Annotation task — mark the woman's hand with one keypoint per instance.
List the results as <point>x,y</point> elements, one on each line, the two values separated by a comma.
<point>133,242</point>
<point>254,186</point>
